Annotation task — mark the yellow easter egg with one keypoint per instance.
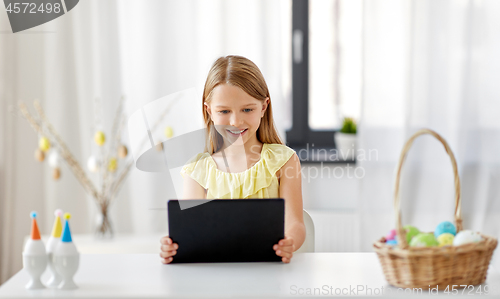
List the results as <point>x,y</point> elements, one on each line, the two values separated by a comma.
<point>44,144</point>
<point>112,164</point>
<point>99,138</point>
<point>445,239</point>
<point>169,132</point>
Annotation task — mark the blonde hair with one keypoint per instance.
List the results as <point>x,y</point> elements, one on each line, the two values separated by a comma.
<point>243,73</point>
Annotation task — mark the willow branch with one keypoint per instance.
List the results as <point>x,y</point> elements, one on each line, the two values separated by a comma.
<point>116,186</point>
<point>115,139</point>
<point>116,123</point>
<point>35,124</point>
<point>67,155</point>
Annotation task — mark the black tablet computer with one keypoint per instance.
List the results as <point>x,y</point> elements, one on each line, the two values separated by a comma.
<point>226,230</point>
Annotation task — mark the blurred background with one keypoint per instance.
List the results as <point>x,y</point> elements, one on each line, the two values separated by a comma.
<point>395,66</point>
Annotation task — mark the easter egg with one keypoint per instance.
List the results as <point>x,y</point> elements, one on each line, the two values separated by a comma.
<point>159,147</point>
<point>112,164</point>
<point>122,151</point>
<point>39,155</point>
<point>99,138</point>
<point>93,164</point>
<point>44,144</point>
<point>169,132</point>
<point>411,232</point>
<point>391,242</point>
<point>424,240</point>
<point>54,159</point>
<point>56,173</point>
<point>445,239</point>
<point>445,227</point>
<point>465,237</point>
<point>391,235</point>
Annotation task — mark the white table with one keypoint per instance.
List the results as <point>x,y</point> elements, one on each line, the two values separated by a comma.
<point>120,243</point>
<point>143,276</point>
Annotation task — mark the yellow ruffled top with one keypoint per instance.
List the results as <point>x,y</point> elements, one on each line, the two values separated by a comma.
<point>259,181</point>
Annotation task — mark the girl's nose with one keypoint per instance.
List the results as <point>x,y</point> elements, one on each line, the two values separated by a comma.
<point>236,120</point>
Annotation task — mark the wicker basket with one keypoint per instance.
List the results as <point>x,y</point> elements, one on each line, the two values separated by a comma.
<point>431,267</point>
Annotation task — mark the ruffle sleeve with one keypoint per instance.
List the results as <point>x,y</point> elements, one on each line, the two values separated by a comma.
<point>243,184</point>
<point>198,168</point>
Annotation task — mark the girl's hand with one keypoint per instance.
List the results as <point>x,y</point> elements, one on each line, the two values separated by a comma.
<point>167,250</point>
<point>285,249</point>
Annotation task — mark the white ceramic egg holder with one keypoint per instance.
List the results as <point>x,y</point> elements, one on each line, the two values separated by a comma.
<point>63,263</point>
<point>66,261</point>
<point>34,261</point>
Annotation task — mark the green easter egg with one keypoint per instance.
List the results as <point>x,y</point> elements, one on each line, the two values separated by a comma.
<point>445,239</point>
<point>424,240</point>
<point>411,232</point>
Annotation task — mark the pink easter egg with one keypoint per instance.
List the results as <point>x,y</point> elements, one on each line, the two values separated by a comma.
<point>391,235</point>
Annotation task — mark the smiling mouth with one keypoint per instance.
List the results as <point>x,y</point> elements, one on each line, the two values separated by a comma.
<point>237,132</point>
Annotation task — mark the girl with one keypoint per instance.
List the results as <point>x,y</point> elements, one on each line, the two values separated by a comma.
<point>244,156</point>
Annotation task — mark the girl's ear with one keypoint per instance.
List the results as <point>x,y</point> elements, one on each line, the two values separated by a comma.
<point>264,107</point>
<point>207,107</point>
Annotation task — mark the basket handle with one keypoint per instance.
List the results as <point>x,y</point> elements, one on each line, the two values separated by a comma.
<point>458,204</point>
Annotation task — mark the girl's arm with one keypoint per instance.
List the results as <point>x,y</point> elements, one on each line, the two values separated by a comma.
<point>192,190</point>
<point>291,191</point>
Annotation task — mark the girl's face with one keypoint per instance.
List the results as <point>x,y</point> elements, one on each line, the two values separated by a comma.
<point>235,113</point>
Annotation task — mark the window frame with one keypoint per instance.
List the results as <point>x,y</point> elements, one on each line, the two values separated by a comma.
<point>301,137</point>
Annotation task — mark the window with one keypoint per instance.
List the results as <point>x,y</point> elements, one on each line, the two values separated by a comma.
<point>326,72</point>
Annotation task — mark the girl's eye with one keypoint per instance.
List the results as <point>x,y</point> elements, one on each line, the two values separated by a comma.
<point>248,110</point>
<point>224,111</point>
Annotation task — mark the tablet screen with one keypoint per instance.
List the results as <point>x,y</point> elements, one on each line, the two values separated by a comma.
<point>235,230</point>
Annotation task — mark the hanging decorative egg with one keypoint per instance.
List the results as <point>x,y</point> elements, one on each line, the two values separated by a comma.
<point>122,151</point>
<point>169,132</point>
<point>99,138</point>
<point>56,173</point>
<point>93,164</point>
<point>113,163</point>
<point>54,159</point>
<point>39,155</point>
<point>44,144</point>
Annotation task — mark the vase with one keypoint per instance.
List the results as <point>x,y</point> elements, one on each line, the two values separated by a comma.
<point>103,227</point>
<point>346,145</point>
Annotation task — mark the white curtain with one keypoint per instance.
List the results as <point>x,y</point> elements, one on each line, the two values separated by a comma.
<point>106,49</point>
<point>65,64</point>
<point>430,64</point>
<point>168,46</point>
